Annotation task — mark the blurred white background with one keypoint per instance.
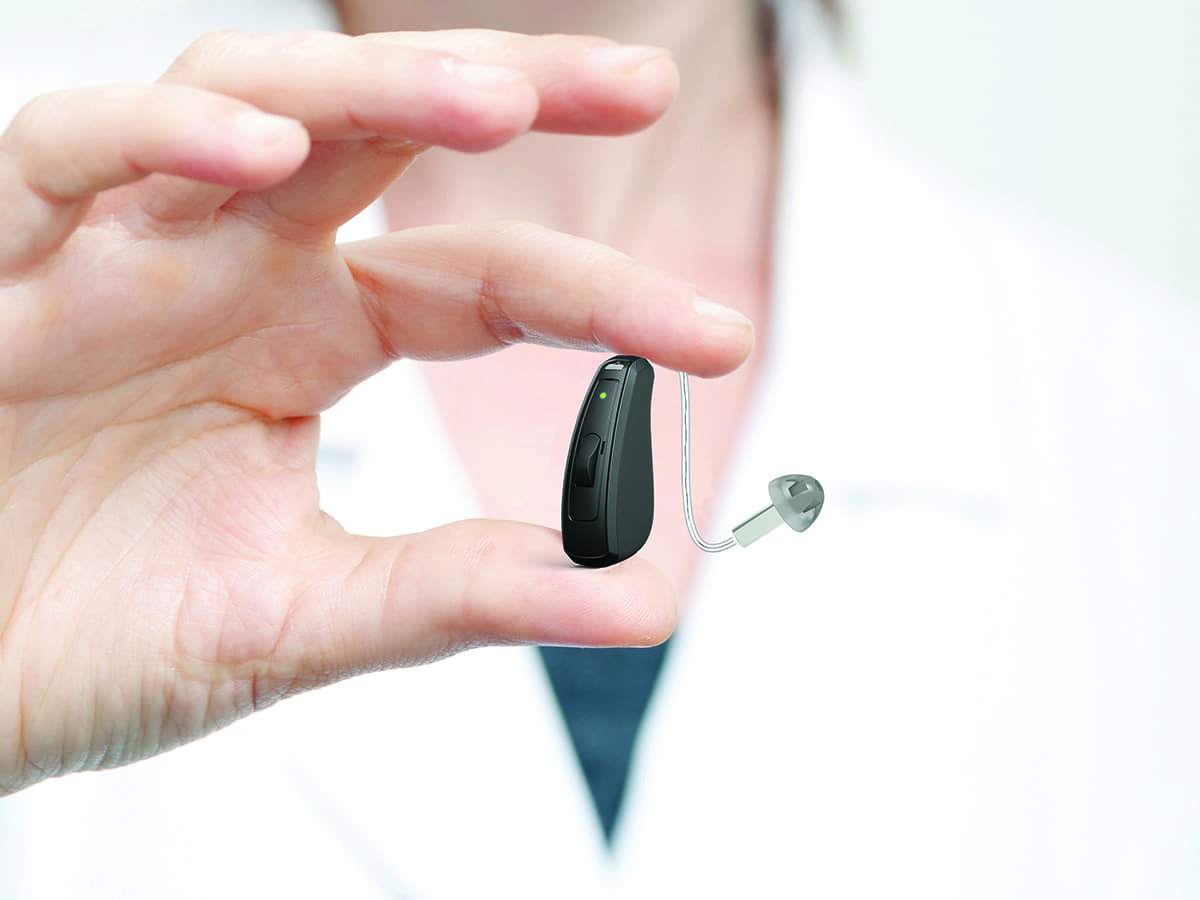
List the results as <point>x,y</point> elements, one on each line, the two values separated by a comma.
<point>1087,111</point>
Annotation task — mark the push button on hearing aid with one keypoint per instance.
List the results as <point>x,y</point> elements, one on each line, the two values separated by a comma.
<point>586,457</point>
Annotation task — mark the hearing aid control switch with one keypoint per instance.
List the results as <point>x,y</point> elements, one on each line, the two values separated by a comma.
<point>586,458</point>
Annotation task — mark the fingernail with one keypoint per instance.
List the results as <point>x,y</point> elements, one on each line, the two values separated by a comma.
<point>265,128</point>
<point>626,57</point>
<point>718,313</point>
<point>479,75</point>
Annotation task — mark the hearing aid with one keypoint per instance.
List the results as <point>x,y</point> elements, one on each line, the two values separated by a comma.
<point>608,487</point>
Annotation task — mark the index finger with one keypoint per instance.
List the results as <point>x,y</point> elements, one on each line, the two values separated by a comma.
<point>446,292</point>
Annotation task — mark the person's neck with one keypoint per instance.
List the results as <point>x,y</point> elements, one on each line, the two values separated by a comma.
<point>633,21</point>
<point>691,193</point>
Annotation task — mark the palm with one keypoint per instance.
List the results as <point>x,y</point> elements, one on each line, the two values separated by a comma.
<point>174,472</point>
<point>167,566</point>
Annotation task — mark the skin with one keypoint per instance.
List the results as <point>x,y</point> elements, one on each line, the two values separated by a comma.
<point>174,316</point>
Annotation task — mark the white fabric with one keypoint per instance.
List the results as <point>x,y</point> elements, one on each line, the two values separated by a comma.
<point>975,677</point>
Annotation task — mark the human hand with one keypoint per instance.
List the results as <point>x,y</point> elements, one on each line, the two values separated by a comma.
<point>175,313</point>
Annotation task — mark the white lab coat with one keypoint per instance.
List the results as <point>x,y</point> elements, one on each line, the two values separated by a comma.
<point>975,677</point>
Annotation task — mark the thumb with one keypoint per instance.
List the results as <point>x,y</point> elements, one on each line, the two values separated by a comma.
<point>375,603</point>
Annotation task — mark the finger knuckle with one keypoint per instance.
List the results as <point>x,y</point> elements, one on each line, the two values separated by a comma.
<point>28,120</point>
<point>34,137</point>
<point>203,54</point>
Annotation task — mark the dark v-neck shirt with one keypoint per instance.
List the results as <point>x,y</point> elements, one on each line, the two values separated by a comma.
<point>603,695</point>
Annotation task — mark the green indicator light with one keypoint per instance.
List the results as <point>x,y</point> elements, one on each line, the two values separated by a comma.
<point>604,395</point>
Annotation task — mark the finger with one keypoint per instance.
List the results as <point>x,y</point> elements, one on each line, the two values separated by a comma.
<point>405,84</point>
<point>453,291</point>
<point>64,148</point>
<point>348,90</point>
<point>447,292</point>
<point>386,602</point>
<point>464,90</point>
<point>345,88</point>
<point>585,85</point>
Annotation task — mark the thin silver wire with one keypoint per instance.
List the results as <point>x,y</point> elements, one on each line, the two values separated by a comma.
<point>704,545</point>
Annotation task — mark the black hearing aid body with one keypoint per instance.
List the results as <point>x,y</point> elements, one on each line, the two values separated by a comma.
<point>608,488</point>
